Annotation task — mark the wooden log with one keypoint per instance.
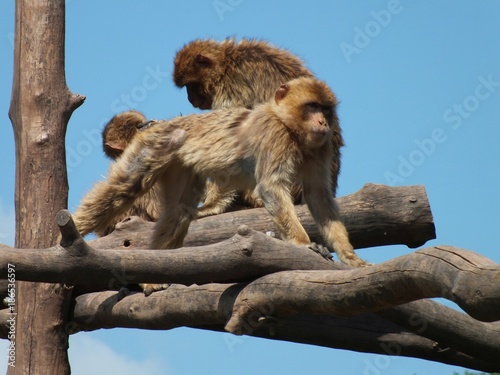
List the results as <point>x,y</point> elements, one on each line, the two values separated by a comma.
<point>376,215</point>
<point>462,276</point>
<point>210,306</point>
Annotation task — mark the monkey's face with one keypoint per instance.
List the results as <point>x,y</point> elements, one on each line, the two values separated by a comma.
<point>119,132</point>
<point>316,124</point>
<point>197,96</point>
<point>306,106</point>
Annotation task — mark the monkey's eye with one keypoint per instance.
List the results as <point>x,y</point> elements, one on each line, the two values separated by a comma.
<point>327,110</point>
<point>313,106</point>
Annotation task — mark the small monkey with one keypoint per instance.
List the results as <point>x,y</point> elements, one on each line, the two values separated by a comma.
<point>239,74</point>
<point>116,136</point>
<point>265,150</point>
<point>119,132</point>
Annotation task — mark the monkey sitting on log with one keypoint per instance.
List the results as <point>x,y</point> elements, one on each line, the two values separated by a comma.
<point>239,74</point>
<point>265,150</point>
<point>116,136</point>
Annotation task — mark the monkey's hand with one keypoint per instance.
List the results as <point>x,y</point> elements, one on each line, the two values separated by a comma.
<point>321,250</point>
<point>148,289</point>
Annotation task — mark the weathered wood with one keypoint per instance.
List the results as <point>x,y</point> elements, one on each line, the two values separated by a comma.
<point>376,215</point>
<point>461,276</point>
<point>243,257</point>
<point>209,307</point>
<point>40,109</point>
<point>448,327</point>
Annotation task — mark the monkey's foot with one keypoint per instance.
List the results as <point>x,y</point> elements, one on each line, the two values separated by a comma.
<point>321,250</point>
<point>354,261</point>
<point>148,289</point>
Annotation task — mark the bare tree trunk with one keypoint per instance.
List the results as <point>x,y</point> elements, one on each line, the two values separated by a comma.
<point>40,109</point>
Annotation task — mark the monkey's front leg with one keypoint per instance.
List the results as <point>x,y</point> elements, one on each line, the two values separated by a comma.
<point>279,204</point>
<point>325,212</point>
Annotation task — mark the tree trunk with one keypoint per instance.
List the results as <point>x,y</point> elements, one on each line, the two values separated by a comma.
<point>40,109</point>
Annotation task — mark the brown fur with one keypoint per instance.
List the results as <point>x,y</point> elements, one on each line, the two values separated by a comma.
<point>266,149</point>
<point>234,74</point>
<point>116,136</point>
<point>239,74</point>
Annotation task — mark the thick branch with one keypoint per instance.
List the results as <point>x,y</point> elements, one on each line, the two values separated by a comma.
<point>376,215</point>
<point>368,221</point>
<point>448,327</point>
<point>209,307</point>
<point>458,275</point>
<point>243,257</point>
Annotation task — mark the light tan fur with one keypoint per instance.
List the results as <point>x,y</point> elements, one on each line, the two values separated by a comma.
<point>230,74</point>
<point>266,149</point>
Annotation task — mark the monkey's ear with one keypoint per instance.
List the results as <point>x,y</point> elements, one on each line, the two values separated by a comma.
<point>204,60</point>
<point>114,146</point>
<point>281,93</point>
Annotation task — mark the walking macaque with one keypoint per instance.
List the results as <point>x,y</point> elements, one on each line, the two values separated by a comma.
<point>116,136</point>
<point>286,139</point>
<point>239,74</point>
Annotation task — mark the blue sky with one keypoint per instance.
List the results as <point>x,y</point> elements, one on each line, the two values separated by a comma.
<point>419,85</point>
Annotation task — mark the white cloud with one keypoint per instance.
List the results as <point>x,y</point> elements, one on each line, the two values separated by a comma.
<point>7,225</point>
<point>4,346</point>
<point>88,355</point>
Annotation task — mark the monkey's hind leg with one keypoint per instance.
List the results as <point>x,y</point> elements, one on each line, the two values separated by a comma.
<point>217,199</point>
<point>178,210</point>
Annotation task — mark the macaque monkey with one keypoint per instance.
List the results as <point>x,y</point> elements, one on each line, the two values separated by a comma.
<point>239,74</point>
<point>265,150</point>
<point>116,136</point>
<point>233,74</point>
<point>119,132</point>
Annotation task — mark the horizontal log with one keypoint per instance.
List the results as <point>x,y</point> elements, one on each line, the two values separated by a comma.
<point>455,274</point>
<point>376,215</point>
<point>462,276</point>
<point>210,306</point>
<point>448,327</point>
<point>245,256</point>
